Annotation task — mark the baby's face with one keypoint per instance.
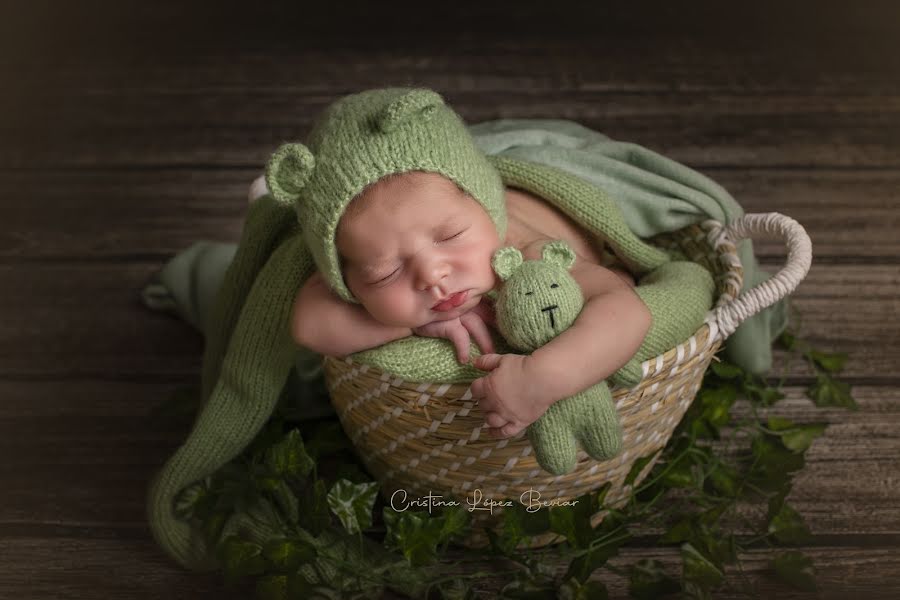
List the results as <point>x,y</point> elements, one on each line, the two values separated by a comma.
<point>411,241</point>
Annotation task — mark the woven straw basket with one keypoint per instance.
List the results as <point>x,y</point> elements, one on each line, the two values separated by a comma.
<point>429,438</point>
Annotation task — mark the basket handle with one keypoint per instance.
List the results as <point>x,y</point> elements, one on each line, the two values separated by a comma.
<point>799,256</point>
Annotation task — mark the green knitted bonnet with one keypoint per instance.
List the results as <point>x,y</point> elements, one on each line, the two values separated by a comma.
<point>366,136</point>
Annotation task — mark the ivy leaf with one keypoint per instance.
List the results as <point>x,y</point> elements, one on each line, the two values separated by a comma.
<point>717,404</point>
<point>680,475</point>
<point>189,499</point>
<point>288,458</point>
<point>774,463</point>
<point>353,503</point>
<point>647,580</point>
<point>762,395</point>
<point>785,524</point>
<point>502,542</point>
<point>638,466</point>
<point>415,534</point>
<point>315,516</point>
<point>832,363</point>
<point>574,522</point>
<point>680,532</point>
<point>830,392</point>
<point>583,566</point>
<point>524,522</point>
<point>796,437</point>
<point>724,480</point>
<point>455,522</point>
<point>796,569</point>
<point>698,569</point>
<point>286,556</point>
<point>240,558</point>
<point>455,589</point>
<point>287,501</point>
<point>787,340</point>
<point>726,370</point>
<point>591,590</point>
<point>213,524</point>
<point>599,496</point>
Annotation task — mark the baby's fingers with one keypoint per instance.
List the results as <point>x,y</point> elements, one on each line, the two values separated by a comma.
<point>495,420</point>
<point>460,338</point>
<point>508,430</point>
<point>479,331</point>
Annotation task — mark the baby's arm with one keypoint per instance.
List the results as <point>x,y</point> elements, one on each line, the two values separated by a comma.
<point>608,331</point>
<point>324,323</point>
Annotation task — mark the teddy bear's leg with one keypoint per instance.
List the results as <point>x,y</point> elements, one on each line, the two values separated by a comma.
<point>553,441</point>
<point>599,430</point>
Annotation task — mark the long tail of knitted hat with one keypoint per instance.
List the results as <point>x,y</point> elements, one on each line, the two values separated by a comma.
<point>268,224</point>
<point>253,370</point>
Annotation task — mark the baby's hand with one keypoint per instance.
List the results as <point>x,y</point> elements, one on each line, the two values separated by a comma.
<point>513,395</point>
<point>459,331</point>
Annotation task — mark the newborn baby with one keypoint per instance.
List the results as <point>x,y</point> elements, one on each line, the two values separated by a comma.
<point>415,251</point>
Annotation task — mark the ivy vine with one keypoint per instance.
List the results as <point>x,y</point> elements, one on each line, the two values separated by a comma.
<point>297,516</point>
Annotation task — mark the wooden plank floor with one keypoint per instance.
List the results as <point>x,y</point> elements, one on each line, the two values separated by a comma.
<point>129,130</point>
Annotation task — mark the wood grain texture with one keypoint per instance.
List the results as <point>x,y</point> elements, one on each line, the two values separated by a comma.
<point>62,308</point>
<point>115,215</point>
<point>128,130</point>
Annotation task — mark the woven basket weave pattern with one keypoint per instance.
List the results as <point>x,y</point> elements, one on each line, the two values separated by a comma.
<point>430,438</point>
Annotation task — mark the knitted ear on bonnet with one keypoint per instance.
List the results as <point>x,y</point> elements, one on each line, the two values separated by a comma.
<point>249,353</point>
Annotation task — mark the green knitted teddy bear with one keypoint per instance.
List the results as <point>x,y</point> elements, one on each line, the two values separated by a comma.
<point>538,301</point>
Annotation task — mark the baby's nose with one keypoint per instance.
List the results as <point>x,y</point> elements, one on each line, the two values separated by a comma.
<point>434,278</point>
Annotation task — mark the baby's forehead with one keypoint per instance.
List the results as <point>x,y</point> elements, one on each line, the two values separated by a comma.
<point>391,193</point>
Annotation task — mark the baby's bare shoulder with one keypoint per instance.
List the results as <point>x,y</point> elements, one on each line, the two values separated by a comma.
<point>594,279</point>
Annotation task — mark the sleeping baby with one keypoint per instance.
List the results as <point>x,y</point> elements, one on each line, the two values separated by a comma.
<point>383,224</point>
<point>402,215</point>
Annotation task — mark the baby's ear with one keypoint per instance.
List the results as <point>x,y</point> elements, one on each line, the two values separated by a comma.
<point>506,261</point>
<point>413,104</point>
<point>558,252</point>
<point>288,171</point>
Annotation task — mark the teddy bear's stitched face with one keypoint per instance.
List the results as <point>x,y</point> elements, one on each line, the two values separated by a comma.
<point>539,298</point>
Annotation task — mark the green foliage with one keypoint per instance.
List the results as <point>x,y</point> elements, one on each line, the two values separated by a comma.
<point>418,534</point>
<point>796,569</point>
<point>648,580</point>
<point>826,391</point>
<point>304,519</point>
<point>353,503</point>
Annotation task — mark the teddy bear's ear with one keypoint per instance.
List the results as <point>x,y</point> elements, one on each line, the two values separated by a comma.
<point>506,261</point>
<point>558,252</point>
<point>288,171</point>
<point>413,104</point>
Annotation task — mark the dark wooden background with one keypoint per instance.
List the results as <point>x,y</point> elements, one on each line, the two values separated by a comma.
<point>130,129</point>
